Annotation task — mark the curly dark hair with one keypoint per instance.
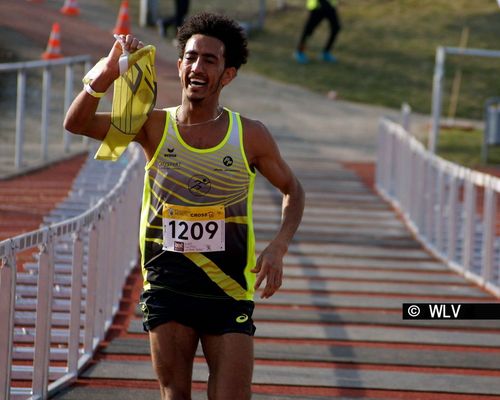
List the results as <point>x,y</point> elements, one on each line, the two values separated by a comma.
<point>220,27</point>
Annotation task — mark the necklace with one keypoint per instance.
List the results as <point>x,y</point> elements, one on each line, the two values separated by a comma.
<point>197,123</point>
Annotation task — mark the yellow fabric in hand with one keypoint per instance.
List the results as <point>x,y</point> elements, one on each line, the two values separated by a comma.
<point>134,98</point>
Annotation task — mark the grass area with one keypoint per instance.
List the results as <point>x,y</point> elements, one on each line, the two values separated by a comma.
<point>386,51</point>
<point>464,147</point>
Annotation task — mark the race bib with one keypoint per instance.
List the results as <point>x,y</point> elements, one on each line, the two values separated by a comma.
<point>193,229</point>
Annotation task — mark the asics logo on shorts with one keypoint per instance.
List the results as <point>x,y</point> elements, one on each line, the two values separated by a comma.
<point>242,318</point>
<point>144,309</point>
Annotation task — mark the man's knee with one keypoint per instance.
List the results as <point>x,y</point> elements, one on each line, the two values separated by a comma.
<point>172,393</point>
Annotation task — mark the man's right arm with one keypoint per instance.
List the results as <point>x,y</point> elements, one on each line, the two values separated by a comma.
<point>82,117</point>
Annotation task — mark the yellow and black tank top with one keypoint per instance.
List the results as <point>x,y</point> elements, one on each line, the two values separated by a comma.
<point>196,233</point>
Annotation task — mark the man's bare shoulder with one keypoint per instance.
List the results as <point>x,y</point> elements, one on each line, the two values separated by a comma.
<point>156,120</point>
<point>152,131</point>
<point>254,127</point>
<point>158,114</point>
<point>257,139</point>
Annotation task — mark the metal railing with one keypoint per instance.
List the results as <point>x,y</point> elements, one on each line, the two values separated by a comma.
<point>45,101</point>
<point>59,308</point>
<point>452,210</point>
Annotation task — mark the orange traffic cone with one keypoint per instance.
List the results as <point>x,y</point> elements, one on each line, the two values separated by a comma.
<point>122,26</point>
<point>70,8</point>
<point>54,45</point>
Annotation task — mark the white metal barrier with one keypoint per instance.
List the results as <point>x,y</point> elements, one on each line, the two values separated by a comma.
<point>49,67</point>
<point>59,308</point>
<point>451,209</point>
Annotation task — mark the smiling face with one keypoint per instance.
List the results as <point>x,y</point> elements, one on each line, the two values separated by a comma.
<point>202,68</point>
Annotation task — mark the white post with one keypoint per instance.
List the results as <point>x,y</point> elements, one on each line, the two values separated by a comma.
<point>437,91</point>
<point>68,98</point>
<point>405,116</point>
<point>439,221</point>
<point>412,189</point>
<point>7,305</point>
<point>102,273</point>
<point>90,309</point>
<point>143,13</point>
<point>430,202</point>
<point>452,216</point>
<point>20,102</point>
<point>422,185</point>
<point>148,12</point>
<point>389,144</point>
<point>76,304</point>
<point>469,227</point>
<point>489,228</point>
<point>405,200</point>
<point>380,154</point>
<point>47,82</point>
<point>43,318</point>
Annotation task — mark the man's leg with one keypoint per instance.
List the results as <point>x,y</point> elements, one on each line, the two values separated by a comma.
<point>313,20</point>
<point>173,347</point>
<point>334,28</point>
<point>182,10</point>
<point>230,361</point>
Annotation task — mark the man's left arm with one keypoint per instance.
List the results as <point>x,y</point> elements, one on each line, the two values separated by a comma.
<point>265,156</point>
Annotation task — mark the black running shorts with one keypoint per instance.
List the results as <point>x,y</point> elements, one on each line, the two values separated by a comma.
<point>205,315</point>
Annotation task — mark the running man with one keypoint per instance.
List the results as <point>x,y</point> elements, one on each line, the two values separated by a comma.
<point>196,238</point>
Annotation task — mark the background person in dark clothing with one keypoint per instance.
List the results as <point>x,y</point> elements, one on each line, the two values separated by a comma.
<point>319,10</point>
<point>181,11</point>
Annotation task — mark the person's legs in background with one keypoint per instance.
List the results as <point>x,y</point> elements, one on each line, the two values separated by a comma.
<point>176,20</point>
<point>333,19</point>
<point>182,7</point>
<point>315,17</point>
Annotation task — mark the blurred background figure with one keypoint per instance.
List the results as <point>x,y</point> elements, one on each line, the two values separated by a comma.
<point>319,10</point>
<point>151,13</point>
<point>176,20</point>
